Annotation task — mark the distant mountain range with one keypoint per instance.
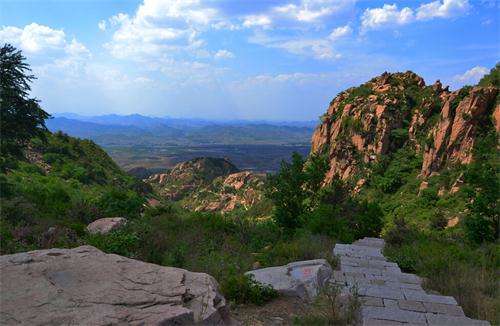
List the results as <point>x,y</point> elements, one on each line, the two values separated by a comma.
<point>136,129</point>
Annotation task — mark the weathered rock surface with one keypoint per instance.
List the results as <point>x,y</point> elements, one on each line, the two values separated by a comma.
<point>190,175</point>
<point>455,133</point>
<point>210,184</point>
<point>302,279</point>
<point>242,189</point>
<point>84,286</point>
<point>106,225</point>
<point>378,117</point>
<point>389,296</point>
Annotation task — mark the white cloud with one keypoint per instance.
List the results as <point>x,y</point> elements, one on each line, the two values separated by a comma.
<point>443,9</point>
<point>340,32</point>
<point>224,54</point>
<point>472,75</point>
<point>102,25</point>
<point>77,49</point>
<point>388,15</point>
<point>162,28</point>
<point>312,10</point>
<point>33,38</point>
<point>317,48</point>
<point>263,21</point>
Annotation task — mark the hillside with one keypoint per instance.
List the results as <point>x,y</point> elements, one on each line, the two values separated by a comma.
<point>61,183</point>
<point>394,137</point>
<point>429,157</point>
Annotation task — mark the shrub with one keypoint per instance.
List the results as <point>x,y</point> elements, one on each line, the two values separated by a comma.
<point>399,233</point>
<point>120,242</point>
<point>439,221</point>
<point>244,289</point>
<point>117,202</point>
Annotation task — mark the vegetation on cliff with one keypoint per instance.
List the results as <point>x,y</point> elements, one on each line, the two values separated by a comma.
<point>429,157</point>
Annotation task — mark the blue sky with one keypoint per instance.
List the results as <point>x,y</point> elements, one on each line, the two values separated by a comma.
<point>272,60</point>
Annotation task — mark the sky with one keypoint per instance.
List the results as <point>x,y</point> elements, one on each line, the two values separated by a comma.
<point>238,59</point>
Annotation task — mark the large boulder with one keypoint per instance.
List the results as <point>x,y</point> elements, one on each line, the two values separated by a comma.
<point>302,279</point>
<point>106,225</point>
<point>84,286</point>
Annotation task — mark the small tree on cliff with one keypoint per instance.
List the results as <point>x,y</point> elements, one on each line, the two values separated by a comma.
<point>21,117</point>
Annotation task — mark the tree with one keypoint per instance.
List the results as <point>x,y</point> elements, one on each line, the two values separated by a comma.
<point>295,189</point>
<point>21,117</point>
<point>285,190</point>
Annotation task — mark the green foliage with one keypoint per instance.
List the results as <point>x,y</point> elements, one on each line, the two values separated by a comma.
<point>452,267</point>
<point>343,217</point>
<point>221,246</point>
<point>491,79</point>
<point>120,242</point>
<point>399,233</point>
<point>394,170</point>
<point>243,289</point>
<point>483,222</point>
<point>119,202</point>
<point>21,117</point>
<point>290,188</point>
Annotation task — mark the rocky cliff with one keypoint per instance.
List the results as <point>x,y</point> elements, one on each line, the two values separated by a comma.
<point>362,124</point>
<point>209,184</point>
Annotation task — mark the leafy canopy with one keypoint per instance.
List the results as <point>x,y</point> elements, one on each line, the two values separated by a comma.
<point>21,116</point>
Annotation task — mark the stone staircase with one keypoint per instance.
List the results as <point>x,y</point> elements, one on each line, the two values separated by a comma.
<point>388,296</point>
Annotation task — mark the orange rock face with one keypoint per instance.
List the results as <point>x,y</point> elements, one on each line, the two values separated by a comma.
<point>362,124</point>
<point>455,133</point>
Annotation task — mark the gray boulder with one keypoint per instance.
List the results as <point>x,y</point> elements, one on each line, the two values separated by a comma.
<point>302,279</point>
<point>106,225</point>
<point>84,286</point>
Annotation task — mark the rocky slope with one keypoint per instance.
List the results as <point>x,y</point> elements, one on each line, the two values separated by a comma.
<point>209,184</point>
<point>187,176</point>
<point>362,124</point>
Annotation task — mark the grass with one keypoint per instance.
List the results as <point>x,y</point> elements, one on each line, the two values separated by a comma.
<point>223,246</point>
<point>452,267</point>
<point>331,307</point>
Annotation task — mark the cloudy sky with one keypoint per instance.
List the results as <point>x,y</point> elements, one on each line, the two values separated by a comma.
<point>237,59</point>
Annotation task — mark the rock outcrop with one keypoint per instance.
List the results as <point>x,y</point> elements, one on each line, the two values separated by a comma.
<point>453,137</point>
<point>364,123</point>
<point>84,286</point>
<point>302,279</point>
<point>242,189</point>
<point>106,225</point>
<point>209,184</point>
<point>190,175</point>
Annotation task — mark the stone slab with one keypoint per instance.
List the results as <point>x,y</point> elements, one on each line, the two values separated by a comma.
<point>424,297</point>
<point>371,301</point>
<point>445,309</point>
<point>393,314</point>
<point>381,292</point>
<point>411,305</point>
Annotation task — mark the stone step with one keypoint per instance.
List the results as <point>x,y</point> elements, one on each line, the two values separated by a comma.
<point>388,296</point>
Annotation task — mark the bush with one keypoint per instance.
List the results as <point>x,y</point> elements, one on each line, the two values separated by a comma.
<point>451,267</point>
<point>117,202</point>
<point>399,233</point>
<point>243,289</point>
<point>121,242</point>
